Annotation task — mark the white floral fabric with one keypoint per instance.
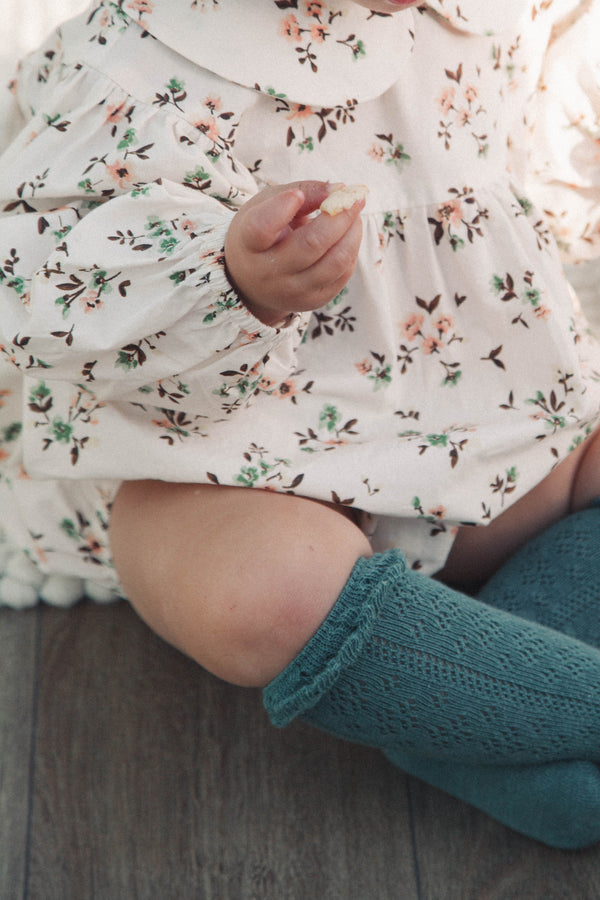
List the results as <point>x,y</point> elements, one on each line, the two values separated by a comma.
<point>448,378</point>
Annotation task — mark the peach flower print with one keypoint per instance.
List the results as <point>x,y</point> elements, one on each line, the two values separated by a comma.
<point>90,301</point>
<point>287,390</point>
<point>313,7</point>
<point>443,324</point>
<point>141,7</point>
<point>446,99</point>
<point>452,211</point>
<point>120,172</point>
<point>266,383</point>
<point>431,345</point>
<point>471,93</point>
<point>290,29</point>
<point>210,128</point>
<point>318,33</point>
<point>213,103</point>
<point>364,367</point>
<point>115,114</point>
<point>300,111</point>
<point>412,326</point>
<point>542,312</point>
<point>438,511</point>
<point>376,152</point>
<point>463,117</point>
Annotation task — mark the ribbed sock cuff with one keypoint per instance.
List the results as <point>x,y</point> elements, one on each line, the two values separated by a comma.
<point>338,641</point>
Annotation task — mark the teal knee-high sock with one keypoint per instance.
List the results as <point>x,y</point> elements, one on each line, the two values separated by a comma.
<point>403,660</point>
<point>407,665</point>
<point>555,803</point>
<point>553,580</point>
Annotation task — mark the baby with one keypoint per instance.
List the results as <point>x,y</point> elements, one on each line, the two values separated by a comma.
<point>273,428</point>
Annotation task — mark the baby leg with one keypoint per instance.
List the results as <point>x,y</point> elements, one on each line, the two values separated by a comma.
<point>237,579</point>
<point>479,552</point>
<point>243,580</point>
<point>553,580</point>
<point>439,683</point>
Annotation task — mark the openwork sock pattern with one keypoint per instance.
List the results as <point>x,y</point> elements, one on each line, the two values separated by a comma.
<point>555,578</point>
<point>404,662</point>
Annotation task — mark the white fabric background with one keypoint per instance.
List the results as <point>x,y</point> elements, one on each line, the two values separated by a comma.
<point>26,22</point>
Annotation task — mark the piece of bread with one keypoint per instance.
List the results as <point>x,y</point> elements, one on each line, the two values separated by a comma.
<point>343,198</point>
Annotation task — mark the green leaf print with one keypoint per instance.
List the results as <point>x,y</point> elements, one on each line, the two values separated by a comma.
<point>247,477</point>
<point>306,144</point>
<point>157,228</point>
<point>438,440</point>
<point>68,526</point>
<point>532,296</point>
<point>226,302</point>
<point>40,398</point>
<point>61,431</point>
<point>260,470</point>
<point>12,432</point>
<point>330,417</point>
<point>87,186</point>
<point>175,94</point>
<point>198,179</point>
<point>525,204</point>
<point>129,138</point>
<point>141,192</point>
<point>276,94</point>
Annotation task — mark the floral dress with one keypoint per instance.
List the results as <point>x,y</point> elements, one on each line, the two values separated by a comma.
<point>449,376</point>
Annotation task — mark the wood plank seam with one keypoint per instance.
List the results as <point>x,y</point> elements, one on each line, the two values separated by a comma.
<point>33,747</point>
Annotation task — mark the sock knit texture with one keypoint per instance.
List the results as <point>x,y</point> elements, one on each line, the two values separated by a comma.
<point>404,663</point>
<point>555,578</point>
<point>556,803</point>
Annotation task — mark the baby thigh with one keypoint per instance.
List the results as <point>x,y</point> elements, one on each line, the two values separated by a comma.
<point>478,552</point>
<point>239,579</point>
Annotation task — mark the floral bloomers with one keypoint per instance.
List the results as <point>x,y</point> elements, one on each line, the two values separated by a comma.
<point>451,374</point>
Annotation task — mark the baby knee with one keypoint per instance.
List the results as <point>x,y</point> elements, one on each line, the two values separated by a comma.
<point>239,580</point>
<point>249,629</point>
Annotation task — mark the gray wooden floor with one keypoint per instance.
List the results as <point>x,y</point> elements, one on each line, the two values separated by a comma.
<point>127,772</point>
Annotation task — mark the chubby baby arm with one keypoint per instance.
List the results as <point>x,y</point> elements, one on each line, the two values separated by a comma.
<point>281,260</point>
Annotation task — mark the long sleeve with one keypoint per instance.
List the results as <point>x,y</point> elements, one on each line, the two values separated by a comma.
<point>114,298</point>
<point>134,302</point>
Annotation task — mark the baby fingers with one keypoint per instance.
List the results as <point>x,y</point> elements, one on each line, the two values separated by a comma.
<point>266,223</point>
<point>320,282</point>
<point>305,246</point>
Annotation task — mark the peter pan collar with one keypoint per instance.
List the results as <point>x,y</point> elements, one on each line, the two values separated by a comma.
<point>325,51</point>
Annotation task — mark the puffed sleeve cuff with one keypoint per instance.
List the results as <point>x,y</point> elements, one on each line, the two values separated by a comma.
<point>136,304</point>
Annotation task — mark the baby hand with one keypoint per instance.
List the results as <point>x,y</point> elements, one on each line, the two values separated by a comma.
<point>282,261</point>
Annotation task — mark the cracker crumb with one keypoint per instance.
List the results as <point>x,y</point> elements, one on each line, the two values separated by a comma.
<point>343,198</point>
